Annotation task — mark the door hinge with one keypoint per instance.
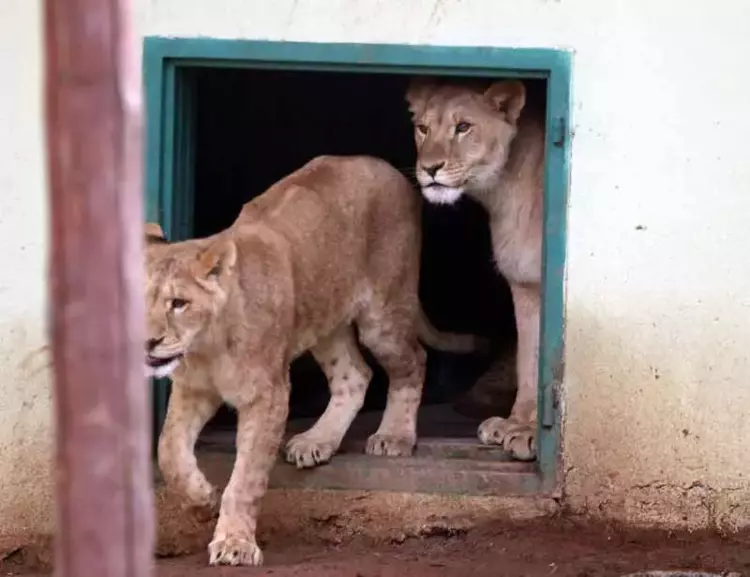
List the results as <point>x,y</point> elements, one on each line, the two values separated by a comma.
<point>560,128</point>
<point>549,406</point>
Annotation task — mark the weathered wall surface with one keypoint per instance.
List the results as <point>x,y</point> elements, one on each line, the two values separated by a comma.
<point>656,393</point>
<point>25,404</point>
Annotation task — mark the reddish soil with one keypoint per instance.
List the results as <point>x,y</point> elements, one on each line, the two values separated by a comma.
<point>532,549</point>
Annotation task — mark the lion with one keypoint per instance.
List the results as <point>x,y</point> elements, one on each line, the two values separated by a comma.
<point>473,140</point>
<point>332,246</point>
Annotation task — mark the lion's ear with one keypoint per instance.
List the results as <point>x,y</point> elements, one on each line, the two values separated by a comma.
<point>153,233</point>
<point>216,262</point>
<point>418,93</point>
<point>508,97</point>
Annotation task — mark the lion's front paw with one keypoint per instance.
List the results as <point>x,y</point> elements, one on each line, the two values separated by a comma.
<point>306,453</point>
<point>517,439</point>
<point>234,551</point>
<point>384,445</point>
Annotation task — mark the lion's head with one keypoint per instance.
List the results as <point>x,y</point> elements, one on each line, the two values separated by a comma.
<point>463,134</point>
<point>186,288</point>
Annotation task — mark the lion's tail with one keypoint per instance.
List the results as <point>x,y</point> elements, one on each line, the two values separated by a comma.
<point>448,342</point>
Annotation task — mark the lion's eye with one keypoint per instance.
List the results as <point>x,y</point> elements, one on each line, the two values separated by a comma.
<point>178,304</point>
<point>462,127</point>
<point>422,128</point>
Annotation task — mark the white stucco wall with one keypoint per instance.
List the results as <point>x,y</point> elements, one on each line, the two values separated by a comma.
<point>656,390</point>
<point>658,326</point>
<point>25,403</point>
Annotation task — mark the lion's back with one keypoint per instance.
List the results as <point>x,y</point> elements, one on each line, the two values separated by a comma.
<point>352,200</point>
<point>358,183</point>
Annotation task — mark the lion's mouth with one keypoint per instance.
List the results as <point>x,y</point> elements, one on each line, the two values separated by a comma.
<point>441,194</point>
<point>156,362</point>
<point>434,183</point>
<point>160,367</point>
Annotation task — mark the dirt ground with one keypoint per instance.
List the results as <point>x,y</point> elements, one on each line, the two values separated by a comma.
<point>316,533</point>
<point>538,548</point>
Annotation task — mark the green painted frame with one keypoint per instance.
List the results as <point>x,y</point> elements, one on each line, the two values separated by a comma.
<point>169,194</point>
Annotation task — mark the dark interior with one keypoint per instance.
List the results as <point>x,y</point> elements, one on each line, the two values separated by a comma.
<point>256,126</point>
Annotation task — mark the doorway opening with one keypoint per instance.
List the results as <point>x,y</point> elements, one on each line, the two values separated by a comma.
<point>228,132</point>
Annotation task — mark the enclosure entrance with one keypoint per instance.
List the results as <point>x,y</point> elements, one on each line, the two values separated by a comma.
<point>235,117</point>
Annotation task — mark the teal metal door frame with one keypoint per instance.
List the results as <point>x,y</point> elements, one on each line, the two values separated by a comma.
<point>170,103</point>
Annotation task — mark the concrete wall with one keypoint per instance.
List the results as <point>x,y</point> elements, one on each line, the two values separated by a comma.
<point>658,293</point>
<point>25,403</point>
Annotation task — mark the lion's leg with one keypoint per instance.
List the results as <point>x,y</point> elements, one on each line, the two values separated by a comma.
<point>517,433</point>
<point>494,392</point>
<point>188,412</point>
<point>260,429</point>
<point>391,338</point>
<point>348,377</point>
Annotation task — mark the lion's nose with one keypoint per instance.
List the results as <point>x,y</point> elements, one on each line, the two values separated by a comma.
<point>151,344</point>
<point>433,168</point>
